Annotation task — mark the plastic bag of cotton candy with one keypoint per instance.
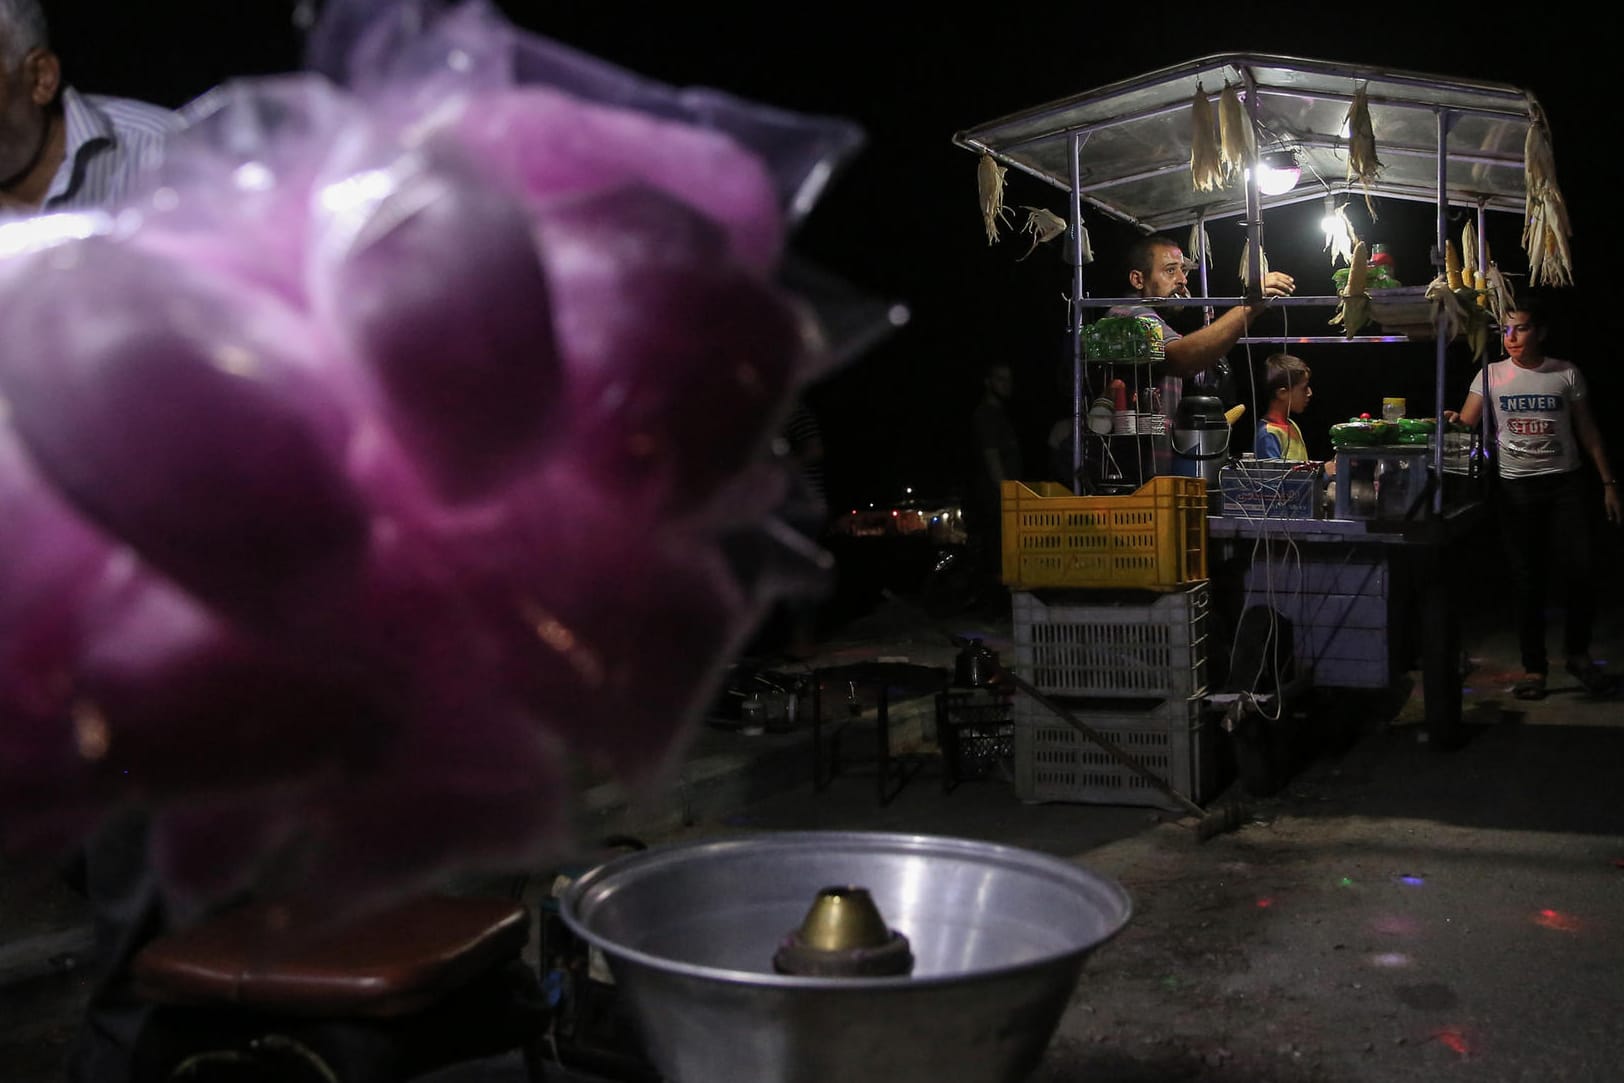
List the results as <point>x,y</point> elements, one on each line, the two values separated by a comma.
<point>403,446</point>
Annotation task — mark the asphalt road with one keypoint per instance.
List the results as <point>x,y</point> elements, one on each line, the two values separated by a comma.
<point>1395,913</point>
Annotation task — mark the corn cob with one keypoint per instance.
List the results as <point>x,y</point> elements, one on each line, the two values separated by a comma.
<point>1354,311</point>
<point>1206,169</point>
<point>1237,145</point>
<point>990,185</point>
<point>1452,265</point>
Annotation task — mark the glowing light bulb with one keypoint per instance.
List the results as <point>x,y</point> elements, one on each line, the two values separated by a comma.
<point>1278,172</point>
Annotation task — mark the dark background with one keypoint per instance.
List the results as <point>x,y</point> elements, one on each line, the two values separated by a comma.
<point>902,219</point>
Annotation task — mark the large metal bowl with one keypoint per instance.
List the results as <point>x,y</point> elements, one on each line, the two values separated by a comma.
<point>999,936</point>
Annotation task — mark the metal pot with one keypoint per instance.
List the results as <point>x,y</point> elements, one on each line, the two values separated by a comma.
<point>976,664</point>
<point>998,935</point>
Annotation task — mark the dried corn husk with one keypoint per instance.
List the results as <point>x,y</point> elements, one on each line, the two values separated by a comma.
<point>1502,301</point>
<point>990,181</point>
<point>1246,263</point>
<point>1206,166</point>
<point>1237,143</point>
<point>1043,225</point>
<point>1447,302</point>
<point>1469,254</point>
<point>1354,311</point>
<point>1199,250</point>
<point>1545,223</point>
<point>1340,238</point>
<point>1363,165</point>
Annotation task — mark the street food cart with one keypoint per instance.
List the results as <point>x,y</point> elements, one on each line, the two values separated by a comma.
<point>1129,151</point>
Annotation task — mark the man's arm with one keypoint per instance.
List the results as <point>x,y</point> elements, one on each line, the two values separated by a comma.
<point>1199,350</point>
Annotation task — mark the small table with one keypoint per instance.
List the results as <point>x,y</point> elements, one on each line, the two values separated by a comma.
<point>891,772</point>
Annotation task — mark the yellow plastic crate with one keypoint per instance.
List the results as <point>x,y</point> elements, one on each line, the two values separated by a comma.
<point>1155,539</point>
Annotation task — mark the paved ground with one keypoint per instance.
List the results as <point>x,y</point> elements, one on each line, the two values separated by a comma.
<point>1395,913</point>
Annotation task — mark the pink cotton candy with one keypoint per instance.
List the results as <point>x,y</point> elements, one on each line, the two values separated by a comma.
<point>546,144</point>
<point>437,290</point>
<point>181,415</point>
<point>677,361</point>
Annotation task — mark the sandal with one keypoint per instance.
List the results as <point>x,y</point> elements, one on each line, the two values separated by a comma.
<point>1595,680</point>
<point>1530,687</point>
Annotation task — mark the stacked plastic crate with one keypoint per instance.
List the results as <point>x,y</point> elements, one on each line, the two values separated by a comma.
<point>1111,616</point>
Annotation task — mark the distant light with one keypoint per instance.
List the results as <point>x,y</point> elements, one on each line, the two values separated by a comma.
<point>908,490</point>
<point>854,511</point>
<point>1264,904</point>
<point>898,315</point>
<point>1453,1038</point>
<point>1412,881</point>
<point>1345,882</point>
<point>1390,960</point>
<point>1555,919</point>
<point>895,513</point>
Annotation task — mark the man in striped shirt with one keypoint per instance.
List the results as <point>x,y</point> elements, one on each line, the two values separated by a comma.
<point>62,150</point>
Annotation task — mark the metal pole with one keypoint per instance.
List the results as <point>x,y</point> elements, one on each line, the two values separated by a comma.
<point>1076,313</point>
<point>1446,120</point>
<point>1254,203</point>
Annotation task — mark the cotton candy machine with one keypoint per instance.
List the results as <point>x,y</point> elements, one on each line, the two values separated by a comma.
<point>697,935</point>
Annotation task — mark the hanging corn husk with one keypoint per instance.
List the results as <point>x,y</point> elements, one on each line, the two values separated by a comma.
<point>1354,311</point>
<point>1237,144</point>
<point>1447,302</point>
<point>1469,252</point>
<point>990,181</point>
<point>1502,301</point>
<point>1340,237</point>
<point>1043,225</point>
<point>1199,250</point>
<point>1545,223</point>
<point>1363,165</point>
<point>1246,263</point>
<point>1206,167</point>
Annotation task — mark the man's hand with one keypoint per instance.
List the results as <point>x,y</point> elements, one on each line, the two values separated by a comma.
<point>1278,284</point>
<point>1450,417</point>
<point>1615,510</point>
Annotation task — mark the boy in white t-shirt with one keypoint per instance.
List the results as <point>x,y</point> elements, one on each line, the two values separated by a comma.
<point>1542,418</point>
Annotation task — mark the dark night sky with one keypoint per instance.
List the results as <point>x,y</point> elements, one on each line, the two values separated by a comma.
<point>901,220</point>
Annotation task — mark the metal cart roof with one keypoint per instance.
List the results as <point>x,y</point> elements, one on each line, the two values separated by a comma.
<point>1135,137</point>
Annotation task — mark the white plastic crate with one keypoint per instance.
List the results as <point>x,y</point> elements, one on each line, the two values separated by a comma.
<point>1056,762</point>
<point>1113,643</point>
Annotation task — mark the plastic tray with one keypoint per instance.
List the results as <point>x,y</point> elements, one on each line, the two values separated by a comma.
<point>1056,762</point>
<point>1153,539</point>
<point>1113,643</point>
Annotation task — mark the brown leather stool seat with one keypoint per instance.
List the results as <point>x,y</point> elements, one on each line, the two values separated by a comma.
<point>298,961</point>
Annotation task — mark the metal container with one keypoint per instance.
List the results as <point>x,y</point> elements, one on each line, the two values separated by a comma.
<point>999,937</point>
<point>1200,438</point>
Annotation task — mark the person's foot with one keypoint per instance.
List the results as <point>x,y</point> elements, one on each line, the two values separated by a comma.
<point>1594,679</point>
<point>1532,686</point>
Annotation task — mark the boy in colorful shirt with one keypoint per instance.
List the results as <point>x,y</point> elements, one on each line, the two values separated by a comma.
<point>1286,384</point>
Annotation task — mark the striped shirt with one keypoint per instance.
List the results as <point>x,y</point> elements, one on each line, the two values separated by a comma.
<point>110,142</point>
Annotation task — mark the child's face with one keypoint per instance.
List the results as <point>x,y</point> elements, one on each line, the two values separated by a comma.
<point>1299,396</point>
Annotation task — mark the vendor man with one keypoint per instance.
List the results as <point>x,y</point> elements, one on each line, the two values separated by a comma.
<point>1155,270</point>
<point>61,150</point>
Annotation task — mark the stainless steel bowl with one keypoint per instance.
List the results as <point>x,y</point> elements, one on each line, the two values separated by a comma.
<point>999,936</point>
